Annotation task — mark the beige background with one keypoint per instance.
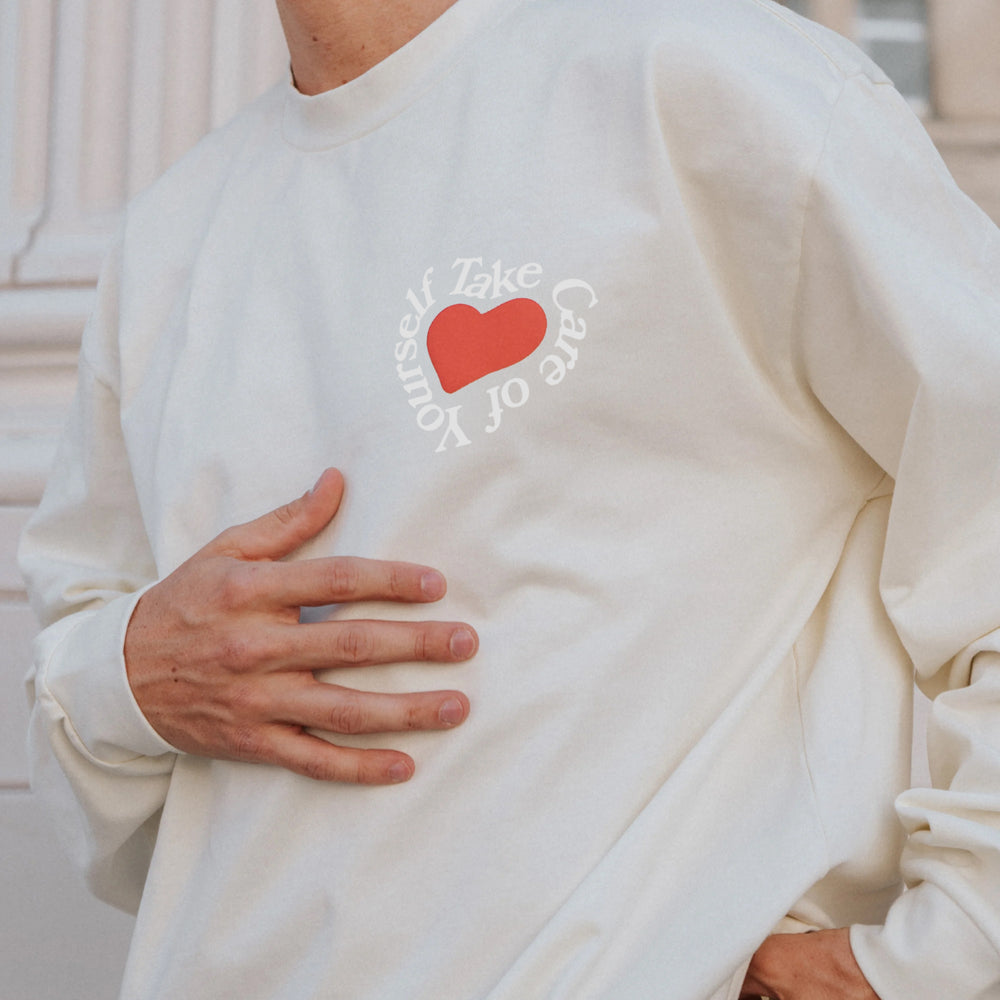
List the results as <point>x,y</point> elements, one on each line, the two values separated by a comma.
<point>97,97</point>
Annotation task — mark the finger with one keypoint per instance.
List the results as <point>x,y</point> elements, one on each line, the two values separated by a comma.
<point>363,643</point>
<point>341,579</point>
<point>281,531</point>
<point>315,758</point>
<point>335,709</point>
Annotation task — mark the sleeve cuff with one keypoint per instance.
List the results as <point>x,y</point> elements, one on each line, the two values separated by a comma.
<point>82,675</point>
<point>928,949</point>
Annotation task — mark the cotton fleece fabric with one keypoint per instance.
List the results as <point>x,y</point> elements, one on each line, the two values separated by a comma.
<point>660,329</point>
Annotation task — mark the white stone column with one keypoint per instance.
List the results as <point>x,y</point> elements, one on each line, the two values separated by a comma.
<point>964,38</point>
<point>134,86</point>
<point>25,67</point>
<point>965,58</point>
<point>88,134</point>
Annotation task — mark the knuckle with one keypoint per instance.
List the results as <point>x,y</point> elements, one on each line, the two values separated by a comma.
<point>246,744</point>
<point>346,769</point>
<point>397,582</point>
<point>245,702</point>
<point>348,716</point>
<point>358,771</point>
<point>344,577</point>
<point>342,767</point>
<point>363,769</point>
<point>354,644</point>
<point>414,717</point>
<point>287,513</point>
<point>422,644</point>
<point>335,764</point>
<point>236,587</point>
<point>318,767</point>
<point>226,542</point>
<point>235,653</point>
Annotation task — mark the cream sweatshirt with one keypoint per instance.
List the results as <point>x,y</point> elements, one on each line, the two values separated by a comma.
<point>661,330</point>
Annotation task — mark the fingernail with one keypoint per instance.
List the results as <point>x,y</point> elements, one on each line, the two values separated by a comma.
<point>432,585</point>
<point>399,772</point>
<point>451,712</point>
<point>462,644</point>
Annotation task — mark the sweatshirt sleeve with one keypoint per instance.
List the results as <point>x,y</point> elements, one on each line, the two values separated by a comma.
<point>85,555</point>
<point>898,322</point>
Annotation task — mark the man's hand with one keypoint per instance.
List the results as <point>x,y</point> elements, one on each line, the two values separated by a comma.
<point>221,667</point>
<point>815,966</point>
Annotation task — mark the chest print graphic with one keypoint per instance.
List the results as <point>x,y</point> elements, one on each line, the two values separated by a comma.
<point>486,322</point>
<point>465,344</point>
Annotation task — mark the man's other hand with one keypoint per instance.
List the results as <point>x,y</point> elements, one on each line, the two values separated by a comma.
<point>815,966</point>
<point>221,667</point>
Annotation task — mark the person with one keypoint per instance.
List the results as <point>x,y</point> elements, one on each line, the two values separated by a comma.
<point>661,330</point>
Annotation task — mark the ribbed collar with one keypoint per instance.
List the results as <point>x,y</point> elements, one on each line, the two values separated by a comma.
<point>362,105</point>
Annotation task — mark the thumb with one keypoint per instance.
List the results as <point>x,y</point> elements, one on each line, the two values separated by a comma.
<point>281,531</point>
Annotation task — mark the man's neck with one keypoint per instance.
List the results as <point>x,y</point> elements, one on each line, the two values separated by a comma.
<point>333,41</point>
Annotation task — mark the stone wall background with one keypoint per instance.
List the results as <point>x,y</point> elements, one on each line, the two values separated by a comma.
<point>97,97</point>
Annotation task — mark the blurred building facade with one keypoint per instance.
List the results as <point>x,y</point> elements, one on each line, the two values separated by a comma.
<point>944,56</point>
<point>97,97</point>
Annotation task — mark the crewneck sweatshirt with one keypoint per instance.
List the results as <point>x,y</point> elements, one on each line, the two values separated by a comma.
<point>662,331</point>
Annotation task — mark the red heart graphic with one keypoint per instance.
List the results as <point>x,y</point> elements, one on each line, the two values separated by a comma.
<point>465,344</point>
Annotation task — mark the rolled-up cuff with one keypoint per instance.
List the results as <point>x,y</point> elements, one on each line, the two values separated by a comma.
<point>82,673</point>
